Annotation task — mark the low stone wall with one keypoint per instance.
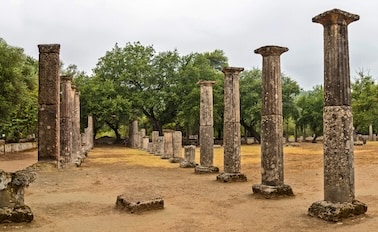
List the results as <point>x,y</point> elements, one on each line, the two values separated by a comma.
<point>15,147</point>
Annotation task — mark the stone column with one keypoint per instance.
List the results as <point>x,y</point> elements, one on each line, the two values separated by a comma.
<point>154,140</point>
<point>272,167</point>
<point>339,198</point>
<point>168,144</point>
<point>206,129</point>
<point>90,132</point>
<point>49,103</point>
<point>371,132</point>
<point>231,127</point>
<point>160,145</point>
<point>146,141</point>
<point>66,121</point>
<point>177,147</point>
<point>189,157</point>
<point>133,134</point>
<point>76,135</point>
<point>142,134</point>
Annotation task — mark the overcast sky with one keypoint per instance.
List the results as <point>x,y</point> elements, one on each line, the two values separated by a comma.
<point>86,29</point>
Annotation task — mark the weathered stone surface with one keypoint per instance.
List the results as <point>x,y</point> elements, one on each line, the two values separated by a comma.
<point>206,169</point>
<point>231,177</point>
<point>159,146</point>
<point>48,133</point>
<point>12,206</point>
<point>168,144</point>
<point>335,212</point>
<point>154,139</point>
<point>206,125</point>
<point>231,125</point>
<point>66,110</point>
<point>146,141</point>
<point>272,168</point>
<point>48,100</point>
<point>138,204</point>
<point>176,159</point>
<point>189,157</point>
<point>177,145</point>
<point>339,197</point>
<point>76,135</point>
<point>133,134</point>
<point>269,191</point>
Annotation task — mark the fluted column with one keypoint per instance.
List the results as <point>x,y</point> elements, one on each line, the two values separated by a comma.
<point>337,121</point>
<point>272,167</point>
<point>231,127</point>
<point>206,129</point>
<point>49,103</point>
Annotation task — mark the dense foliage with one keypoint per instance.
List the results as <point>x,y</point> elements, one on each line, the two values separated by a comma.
<point>18,93</point>
<point>161,90</point>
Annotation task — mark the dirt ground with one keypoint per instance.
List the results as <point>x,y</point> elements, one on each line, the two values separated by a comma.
<point>83,199</point>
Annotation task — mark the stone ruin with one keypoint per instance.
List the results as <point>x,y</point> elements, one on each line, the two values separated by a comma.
<point>206,129</point>
<point>189,157</point>
<point>12,205</point>
<point>231,127</point>
<point>339,190</point>
<point>59,138</point>
<point>272,166</point>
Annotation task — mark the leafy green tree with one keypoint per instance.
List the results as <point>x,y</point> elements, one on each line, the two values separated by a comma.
<point>364,102</point>
<point>310,110</point>
<point>18,92</point>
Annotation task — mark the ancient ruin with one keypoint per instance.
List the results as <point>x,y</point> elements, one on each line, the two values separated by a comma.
<point>154,141</point>
<point>168,144</point>
<point>339,193</point>
<point>189,157</point>
<point>138,203</point>
<point>66,105</point>
<point>206,129</point>
<point>272,166</point>
<point>77,157</point>
<point>49,103</point>
<point>177,147</point>
<point>231,127</point>
<point>12,205</point>
<point>133,134</point>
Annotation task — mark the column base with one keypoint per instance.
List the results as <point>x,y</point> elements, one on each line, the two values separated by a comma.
<point>231,177</point>
<point>17,214</point>
<point>335,212</point>
<point>270,192</point>
<point>187,164</point>
<point>176,159</point>
<point>206,170</point>
<point>164,156</point>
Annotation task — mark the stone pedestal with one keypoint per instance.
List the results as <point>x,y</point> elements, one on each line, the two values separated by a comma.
<point>189,157</point>
<point>168,144</point>
<point>146,141</point>
<point>177,148</point>
<point>339,196</point>
<point>272,166</point>
<point>231,127</point>
<point>154,139</point>
<point>206,129</point>
<point>12,206</point>
<point>49,103</point>
<point>159,146</point>
<point>133,134</point>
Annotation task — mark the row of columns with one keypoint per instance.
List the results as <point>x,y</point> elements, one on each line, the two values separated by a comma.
<point>59,137</point>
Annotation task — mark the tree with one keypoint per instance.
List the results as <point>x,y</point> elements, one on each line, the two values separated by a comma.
<point>364,102</point>
<point>18,92</point>
<point>310,108</point>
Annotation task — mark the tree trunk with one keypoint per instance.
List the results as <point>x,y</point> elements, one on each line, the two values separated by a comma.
<point>115,129</point>
<point>252,130</point>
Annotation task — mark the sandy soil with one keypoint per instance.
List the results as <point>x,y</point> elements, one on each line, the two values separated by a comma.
<point>83,199</point>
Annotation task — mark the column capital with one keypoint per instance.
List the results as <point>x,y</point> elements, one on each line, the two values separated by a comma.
<point>206,83</point>
<point>66,78</point>
<point>49,48</point>
<point>335,16</point>
<point>271,50</point>
<point>230,70</point>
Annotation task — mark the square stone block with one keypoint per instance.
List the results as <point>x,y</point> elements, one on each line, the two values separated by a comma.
<point>138,204</point>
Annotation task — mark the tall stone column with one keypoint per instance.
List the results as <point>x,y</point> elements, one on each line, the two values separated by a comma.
<point>76,135</point>
<point>272,166</point>
<point>90,132</point>
<point>231,127</point>
<point>206,129</point>
<point>133,134</point>
<point>49,103</point>
<point>66,120</point>
<point>339,197</point>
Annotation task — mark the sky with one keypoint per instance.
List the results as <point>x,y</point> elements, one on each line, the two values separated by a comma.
<point>86,29</point>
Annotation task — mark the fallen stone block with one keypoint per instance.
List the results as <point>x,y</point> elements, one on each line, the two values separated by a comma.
<point>137,205</point>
